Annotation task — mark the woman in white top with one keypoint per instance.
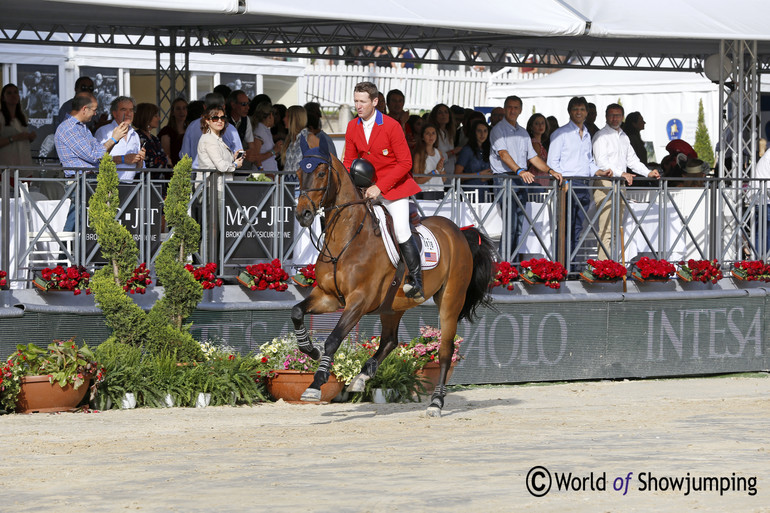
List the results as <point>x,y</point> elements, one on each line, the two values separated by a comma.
<point>264,119</point>
<point>15,134</point>
<point>213,152</point>
<point>296,126</point>
<point>446,127</point>
<point>429,161</point>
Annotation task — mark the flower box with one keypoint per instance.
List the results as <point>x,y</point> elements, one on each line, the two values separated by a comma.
<point>269,276</point>
<point>290,384</point>
<point>752,270</point>
<point>505,274</point>
<point>699,270</point>
<point>603,271</point>
<point>38,395</point>
<point>74,279</point>
<point>546,272</point>
<point>651,270</point>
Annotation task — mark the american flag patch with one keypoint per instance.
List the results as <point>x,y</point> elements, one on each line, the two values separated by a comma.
<point>430,256</point>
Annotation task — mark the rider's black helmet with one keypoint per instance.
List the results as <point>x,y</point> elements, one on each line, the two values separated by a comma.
<point>362,173</point>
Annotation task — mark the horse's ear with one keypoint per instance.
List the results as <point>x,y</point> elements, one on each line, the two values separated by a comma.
<point>323,146</point>
<point>303,145</point>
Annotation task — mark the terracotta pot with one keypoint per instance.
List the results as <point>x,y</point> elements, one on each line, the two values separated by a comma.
<point>431,373</point>
<point>38,395</point>
<point>289,385</point>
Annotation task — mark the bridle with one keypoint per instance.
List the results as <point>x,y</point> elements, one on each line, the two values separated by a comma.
<point>325,254</point>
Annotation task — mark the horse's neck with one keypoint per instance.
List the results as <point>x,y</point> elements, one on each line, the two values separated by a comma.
<point>344,221</point>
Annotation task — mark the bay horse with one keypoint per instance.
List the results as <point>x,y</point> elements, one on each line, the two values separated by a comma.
<point>353,272</point>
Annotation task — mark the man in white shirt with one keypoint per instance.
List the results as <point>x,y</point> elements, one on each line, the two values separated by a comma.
<point>613,154</point>
<point>762,170</point>
<point>129,147</point>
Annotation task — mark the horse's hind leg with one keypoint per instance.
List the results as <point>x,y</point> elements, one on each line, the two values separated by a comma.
<point>388,342</point>
<point>348,320</point>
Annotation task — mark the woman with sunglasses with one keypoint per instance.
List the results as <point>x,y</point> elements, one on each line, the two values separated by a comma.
<point>213,152</point>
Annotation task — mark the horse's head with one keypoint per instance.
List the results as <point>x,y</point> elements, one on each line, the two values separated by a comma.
<point>315,181</point>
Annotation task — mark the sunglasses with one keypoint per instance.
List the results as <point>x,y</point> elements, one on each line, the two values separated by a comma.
<point>218,118</point>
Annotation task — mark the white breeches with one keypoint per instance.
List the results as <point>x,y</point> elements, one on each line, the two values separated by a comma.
<point>399,211</point>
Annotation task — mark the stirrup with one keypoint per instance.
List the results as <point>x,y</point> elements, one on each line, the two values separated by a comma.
<point>413,292</point>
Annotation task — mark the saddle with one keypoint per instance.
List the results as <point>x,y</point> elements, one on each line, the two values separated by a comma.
<point>430,252</point>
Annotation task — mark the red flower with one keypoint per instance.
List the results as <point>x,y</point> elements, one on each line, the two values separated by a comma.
<point>505,274</point>
<point>544,270</point>
<point>656,269</point>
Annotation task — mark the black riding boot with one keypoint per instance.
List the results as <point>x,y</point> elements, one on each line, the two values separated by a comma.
<point>413,284</point>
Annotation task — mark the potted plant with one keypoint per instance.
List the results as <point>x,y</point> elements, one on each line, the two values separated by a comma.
<point>48,380</point>
<point>505,274</point>
<point>540,270</point>
<point>127,381</point>
<point>699,270</point>
<point>751,270</point>
<point>424,349</point>
<point>227,376</point>
<point>603,271</point>
<point>649,270</point>
<point>73,278</point>
<point>305,277</point>
<point>266,276</point>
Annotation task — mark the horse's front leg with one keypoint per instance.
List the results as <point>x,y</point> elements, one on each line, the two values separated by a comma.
<point>316,303</point>
<point>350,317</point>
<point>388,342</point>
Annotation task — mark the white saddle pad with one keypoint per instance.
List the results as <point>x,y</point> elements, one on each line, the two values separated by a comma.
<point>430,253</point>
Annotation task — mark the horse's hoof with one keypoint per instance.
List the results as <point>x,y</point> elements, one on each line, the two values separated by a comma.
<point>311,395</point>
<point>315,353</point>
<point>433,411</point>
<point>358,384</point>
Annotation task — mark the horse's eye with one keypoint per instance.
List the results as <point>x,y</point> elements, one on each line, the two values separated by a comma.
<point>321,174</point>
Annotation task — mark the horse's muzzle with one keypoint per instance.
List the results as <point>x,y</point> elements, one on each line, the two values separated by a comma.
<point>304,217</point>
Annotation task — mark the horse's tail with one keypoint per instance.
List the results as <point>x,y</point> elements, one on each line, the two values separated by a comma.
<point>483,264</point>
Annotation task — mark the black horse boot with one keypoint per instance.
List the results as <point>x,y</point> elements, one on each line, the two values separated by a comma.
<point>413,284</point>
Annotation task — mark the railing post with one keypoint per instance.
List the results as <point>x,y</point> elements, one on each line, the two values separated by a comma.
<point>5,229</point>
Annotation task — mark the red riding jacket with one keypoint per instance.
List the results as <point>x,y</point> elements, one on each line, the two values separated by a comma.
<point>387,151</point>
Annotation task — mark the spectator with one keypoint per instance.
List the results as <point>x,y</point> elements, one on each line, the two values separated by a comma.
<point>614,154</point>
<point>381,104</point>
<point>237,114</point>
<point>147,119</point>
<point>429,161</point>
<point>496,116</point>
<point>571,155</point>
<point>395,101</point>
<point>413,131</point>
<point>15,134</point>
<point>537,128</point>
<point>314,115</point>
<point>511,150</point>
<point>128,150</point>
<point>77,148</point>
<point>194,132</point>
<point>441,117</point>
<point>762,172</point>
<point>279,128</point>
<point>172,135</point>
<point>464,134</point>
<point>473,161</point>
<point>264,119</point>
<point>553,125</point>
<point>82,85</point>
<point>633,126</point>
<point>695,168</point>
<point>253,106</point>
<point>591,120</point>
<point>291,154</point>
<point>213,152</point>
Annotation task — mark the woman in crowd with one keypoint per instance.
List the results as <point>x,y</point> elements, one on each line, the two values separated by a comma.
<point>473,160</point>
<point>173,133</point>
<point>147,119</point>
<point>633,126</point>
<point>553,124</point>
<point>441,118</point>
<point>537,127</point>
<point>428,160</point>
<point>213,152</point>
<point>296,127</point>
<point>263,120</point>
<point>15,134</point>
<point>413,131</point>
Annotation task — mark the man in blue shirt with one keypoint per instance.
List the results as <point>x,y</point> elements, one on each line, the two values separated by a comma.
<point>571,154</point>
<point>193,133</point>
<point>75,145</point>
<point>510,154</point>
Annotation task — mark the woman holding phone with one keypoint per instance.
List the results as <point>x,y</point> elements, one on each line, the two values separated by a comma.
<point>213,152</point>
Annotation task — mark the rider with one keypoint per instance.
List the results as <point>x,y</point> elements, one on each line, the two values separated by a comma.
<point>380,140</point>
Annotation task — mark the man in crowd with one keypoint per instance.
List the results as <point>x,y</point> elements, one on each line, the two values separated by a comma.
<point>510,154</point>
<point>591,120</point>
<point>395,100</point>
<point>613,153</point>
<point>193,133</point>
<point>237,112</point>
<point>127,152</point>
<point>380,140</point>
<point>82,85</point>
<point>571,155</point>
<point>496,116</point>
<point>76,146</point>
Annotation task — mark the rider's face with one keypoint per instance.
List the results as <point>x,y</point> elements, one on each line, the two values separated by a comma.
<point>365,106</point>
